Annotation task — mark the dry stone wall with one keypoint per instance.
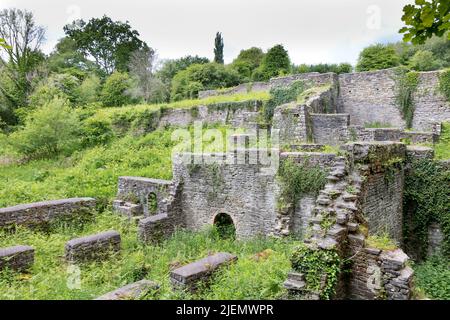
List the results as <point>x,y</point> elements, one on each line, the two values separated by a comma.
<point>17,258</point>
<point>94,247</point>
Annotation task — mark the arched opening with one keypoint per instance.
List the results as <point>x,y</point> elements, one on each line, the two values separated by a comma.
<point>152,204</point>
<point>225,226</point>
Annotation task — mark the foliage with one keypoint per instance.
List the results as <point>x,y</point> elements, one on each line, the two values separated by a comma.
<point>187,83</point>
<point>64,86</point>
<point>96,132</point>
<point>377,57</point>
<point>424,60</point>
<point>433,277</point>
<point>298,179</point>
<point>377,124</point>
<point>48,131</point>
<point>24,39</point>
<point>114,92</point>
<point>442,148</point>
<point>218,48</point>
<point>89,90</point>
<point>427,198</point>
<point>247,62</point>
<point>425,19</point>
<point>320,267</point>
<point>275,63</point>
<point>171,67</point>
<point>444,84</point>
<point>109,43</point>
<point>324,68</point>
<point>382,242</point>
<point>281,95</point>
<point>406,85</point>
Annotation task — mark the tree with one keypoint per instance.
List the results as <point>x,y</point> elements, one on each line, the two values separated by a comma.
<point>377,57</point>
<point>425,19</point>
<point>247,61</point>
<point>114,92</point>
<point>187,83</point>
<point>109,43</point>
<point>24,39</point>
<point>218,48</point>
<point>276,62</point>
<point>62,85</point>
<point>171,67</point>
<point>424,60</point>
<point>146,86</point>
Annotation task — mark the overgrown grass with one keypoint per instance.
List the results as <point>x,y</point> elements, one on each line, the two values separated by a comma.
<point>382,242</point>
<point>442,148</point>
<point>433,277</point>
<point>251,277</point>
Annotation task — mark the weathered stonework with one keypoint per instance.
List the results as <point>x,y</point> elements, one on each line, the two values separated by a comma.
<point>242,88</point>
<point>131,291</point>
<point>94,247</point>
<point>18,258</point>
<point>190,275</point>
<point>39,213</point>
<point>435,239</point>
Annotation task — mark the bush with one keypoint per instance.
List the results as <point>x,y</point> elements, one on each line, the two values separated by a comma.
<point>187,83</point>
<point>49,131</point>
<point>96,132</point>
<point>114,90</point>
<point>64,86</point>
<point>89,90</point>
<point>433,277</point>
<point>275,63</point>
<point>424,60</point>
<point>282,95</point>
<point>377,57</point>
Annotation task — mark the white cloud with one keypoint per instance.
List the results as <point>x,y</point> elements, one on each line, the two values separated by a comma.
<point>313,31</point>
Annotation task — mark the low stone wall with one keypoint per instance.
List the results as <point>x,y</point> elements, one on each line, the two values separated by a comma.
<point>330,129</point>
<point>323,160</point>
<point>156,228</point>
<point>39,213</point>
<point>18,258</point>
<point>131,291</point>
<point>94,247</point>
<point>188,277</point>
<point>242,88</point>
<point>313,78</point>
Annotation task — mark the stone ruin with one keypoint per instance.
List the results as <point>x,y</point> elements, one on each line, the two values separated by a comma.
<point>363,195</point>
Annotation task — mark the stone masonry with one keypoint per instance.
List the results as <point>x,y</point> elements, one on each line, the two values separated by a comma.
<point>94,247</point>
<point>17,258</point>
<point>131,291</point>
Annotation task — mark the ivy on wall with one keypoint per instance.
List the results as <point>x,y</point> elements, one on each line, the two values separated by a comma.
<point>444,84</point>
<point>406,85</point>
<point>320,267</point>
<point>426,200</point>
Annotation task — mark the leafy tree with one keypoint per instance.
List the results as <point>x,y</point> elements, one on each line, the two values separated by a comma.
<point>324,68</point>
<point>67,59</point>
<point>24,39</point>
<point>114,92</point>
<point>218,48</point>
<point>187,83</point>
<point>171,67</point>
<point>109,43</point>
<point>276,62</point>
<point>49,131</point>
<point>425,19</point>
<point>64,86</point>
<point>146,86</point>
<point>247,61</point>
<point>89,90</point>
<point>424,60</point>
<point>377,57</point>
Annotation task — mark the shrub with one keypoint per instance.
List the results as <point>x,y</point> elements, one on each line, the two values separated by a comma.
<point>89,90</point>
<point>114,90</point>
<point>377,57</point>
<point>187,83</point>
<point>433,277</point>
<point>48,131</point>
<point>424,60</point>
<point>275,63</point>
<point>58,85</point>
<point>282,95</point>
<point>96,132</point>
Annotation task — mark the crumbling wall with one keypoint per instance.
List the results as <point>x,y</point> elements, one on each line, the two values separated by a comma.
<point>242,88</point>
<point>330,129</point>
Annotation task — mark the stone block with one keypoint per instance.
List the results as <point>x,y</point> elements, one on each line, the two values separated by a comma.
<point>94,247</point>
<point>17,258</point>
<point>189,275</point>
<point>131,291</point>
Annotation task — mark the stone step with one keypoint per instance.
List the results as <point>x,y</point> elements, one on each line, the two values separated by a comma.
<point>352,227</point>
<point>293,285</point>
<point>296,276</point>
<point>349,197</point>
<point>342,218</point>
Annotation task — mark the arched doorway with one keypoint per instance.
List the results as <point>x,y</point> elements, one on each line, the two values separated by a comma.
<point>225,226</point>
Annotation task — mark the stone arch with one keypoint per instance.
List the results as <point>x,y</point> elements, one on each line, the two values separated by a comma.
<point>152,204</point>
<point>225,225</point>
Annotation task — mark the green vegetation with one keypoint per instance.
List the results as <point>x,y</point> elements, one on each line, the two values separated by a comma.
<point>377,57</point>
<point>298,179</point>
<point>247,62</point>
<point>442,148</point>
<point>444,84</point>
<point>248,278</point>
<point>433,277</point>
<point>218,48</point>
<point>324,68</point>
<point>275,63</point>
<point>377,124</point>
<point>382,242</point>
<point>320,267</point>
<point>427,193</point>
<point>406,86</point>
<point>303,97</point>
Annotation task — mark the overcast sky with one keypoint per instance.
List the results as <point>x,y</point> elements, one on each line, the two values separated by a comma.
<point>313,31</point>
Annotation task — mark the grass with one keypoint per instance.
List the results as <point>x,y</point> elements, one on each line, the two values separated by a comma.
<point>314,91</point>
<point>442,148</point>
<point>377,125</point>
<point>382,242</point>
<point>250,278</point>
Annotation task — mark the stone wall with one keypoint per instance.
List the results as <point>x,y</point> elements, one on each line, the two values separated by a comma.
<point>94,247</point>
<point>314,79</point>
<point>330,129</point>
<point>237,114</point>
<point>132,291</point>
<point>370,97</point>
<point>242,88</point>
<point>40,213</point>
<point>291,122</point>
<point>435,238</point>
<point>17,258</point>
